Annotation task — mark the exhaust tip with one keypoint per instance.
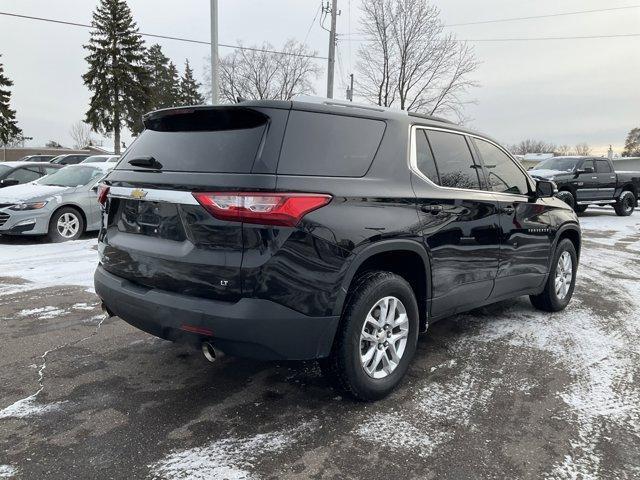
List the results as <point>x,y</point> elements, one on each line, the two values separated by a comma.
<point>209,352</point>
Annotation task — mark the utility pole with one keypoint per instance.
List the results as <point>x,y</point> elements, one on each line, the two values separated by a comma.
<point>350,89</point>
<point>332,47</point>
<point>215,62</point>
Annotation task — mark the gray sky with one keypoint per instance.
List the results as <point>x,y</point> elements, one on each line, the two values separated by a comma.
<point>560,91</point>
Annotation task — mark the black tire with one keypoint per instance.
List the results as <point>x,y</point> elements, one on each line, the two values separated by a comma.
<point>56,234</point>
<point>567,197</point>
<point>548,300</point>
<point>626,204</point>
<point>344,367</point>
<point>581,208</point>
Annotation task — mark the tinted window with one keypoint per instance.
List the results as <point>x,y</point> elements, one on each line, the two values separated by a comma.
<point>454,161</point>
<point>220,141</point>
<point>588,164</point>
<point>602,166</point>
<point>26,174</point>
<point>502,174</point>
<point>329,145</point>
<point>424,157</point>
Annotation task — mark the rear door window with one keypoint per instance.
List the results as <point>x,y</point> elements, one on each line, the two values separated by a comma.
<point>329,145</point>
<point>602,166</point>
<point>455,163</point>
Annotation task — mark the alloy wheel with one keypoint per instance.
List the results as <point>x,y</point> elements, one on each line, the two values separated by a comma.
<point>383,339</point>
<point>68,225</point>
<point>564,275</point>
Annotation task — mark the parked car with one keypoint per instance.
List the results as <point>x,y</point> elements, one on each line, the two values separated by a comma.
<point>37,158</point>
<point>69,159</point>
<point>323,231</point>
<point>584,181</point>
<point>62,205</point>
<point>101,159</point>
<point>16,173</point>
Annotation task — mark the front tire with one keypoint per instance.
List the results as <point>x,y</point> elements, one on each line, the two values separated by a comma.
<point>376,339</point>
<point>559,288</point>
<point>626,204</point>
<point>581,208</point>
<point>65,224</point>
<point>567,197</point>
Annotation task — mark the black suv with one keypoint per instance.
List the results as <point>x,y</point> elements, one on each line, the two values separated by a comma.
<point>302,230</point>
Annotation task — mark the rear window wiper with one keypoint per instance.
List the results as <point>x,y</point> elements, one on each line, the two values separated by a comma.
<point>145,162</point>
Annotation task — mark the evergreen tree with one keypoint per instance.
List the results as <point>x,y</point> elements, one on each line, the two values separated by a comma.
<point>190,87</point>
<point>116,77</point>
<point>632,144</point>
<point>9,129</point>
<point>163,83</point>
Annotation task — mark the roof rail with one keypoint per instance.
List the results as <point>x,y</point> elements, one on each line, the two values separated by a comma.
<point>344,103</point>
<point>430,117</point>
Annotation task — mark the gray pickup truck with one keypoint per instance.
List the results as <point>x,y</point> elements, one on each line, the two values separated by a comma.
<point>584,181</point>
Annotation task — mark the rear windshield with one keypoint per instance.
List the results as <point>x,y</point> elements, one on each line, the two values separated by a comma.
<point>219,141</point>
<point>329,145</point>
<point>72,176</point>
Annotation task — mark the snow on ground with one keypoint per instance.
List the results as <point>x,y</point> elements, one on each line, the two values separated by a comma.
<point>230,458</point>
<point>7,471</point>
<point>48,264</point>
<point>28,407</point>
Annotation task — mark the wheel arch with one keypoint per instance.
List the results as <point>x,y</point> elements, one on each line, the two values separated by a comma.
<point>407,258</point>
<point>571,232</point>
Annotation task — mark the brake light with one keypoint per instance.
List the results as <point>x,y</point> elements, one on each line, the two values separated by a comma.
<point>285,209</point>
<point>103,191</point>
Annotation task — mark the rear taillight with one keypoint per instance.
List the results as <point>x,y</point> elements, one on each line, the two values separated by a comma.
<point>103,191</point>
<point>285,209</point>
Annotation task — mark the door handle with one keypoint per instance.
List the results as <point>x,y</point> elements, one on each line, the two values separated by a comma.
<point>433,208</point>
<point>508,210</point>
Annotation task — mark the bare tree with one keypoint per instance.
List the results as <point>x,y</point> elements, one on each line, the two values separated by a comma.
<point>583,149</point>
<point>532,146</point>
<point>258,74</point>
<point>562,151</point>
<point>409,61</point>
<point>80,133</point>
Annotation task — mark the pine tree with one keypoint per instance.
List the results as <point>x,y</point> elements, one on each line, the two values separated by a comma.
<point>190,87</point>
<point>116,76</point>
<point>163,83</point>
<point>9,129</point>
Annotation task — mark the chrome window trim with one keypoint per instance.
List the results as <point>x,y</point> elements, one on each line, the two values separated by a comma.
<point>413,160</point>
<point>155,195</point>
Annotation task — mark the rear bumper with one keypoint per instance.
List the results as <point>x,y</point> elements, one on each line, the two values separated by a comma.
<point>252,328</point>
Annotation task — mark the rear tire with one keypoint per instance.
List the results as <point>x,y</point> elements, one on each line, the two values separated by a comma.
<point>567,197</point>
<point>626,204</point>
<point>372,351</point>
<point>559,288</point>
<point>65,224</point>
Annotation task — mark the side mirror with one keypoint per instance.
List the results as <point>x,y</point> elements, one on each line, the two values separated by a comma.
<point>545,189</point>
<point>9,182</point>
<point>95,188</point>
<point>584,170</point>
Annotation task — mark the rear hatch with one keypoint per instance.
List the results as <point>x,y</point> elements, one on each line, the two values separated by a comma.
<point>156,232</point>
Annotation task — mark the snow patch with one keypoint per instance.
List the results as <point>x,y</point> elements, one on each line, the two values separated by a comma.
<point>42,313</point>
<point>28,407</point>
<point>48,264</point>
<point>7,471</point>
<point>231,458</point>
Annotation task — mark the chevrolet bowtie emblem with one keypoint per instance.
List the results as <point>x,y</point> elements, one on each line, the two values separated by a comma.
<point>138,193</point>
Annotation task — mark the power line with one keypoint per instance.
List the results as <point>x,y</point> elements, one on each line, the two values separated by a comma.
<point>312,23</point>
<point>533,17</point>
<point>166,37</point>
<point>523,39</point>
<point>535,39</point>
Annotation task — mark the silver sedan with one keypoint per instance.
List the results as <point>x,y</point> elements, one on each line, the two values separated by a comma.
<point>62,205</point>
